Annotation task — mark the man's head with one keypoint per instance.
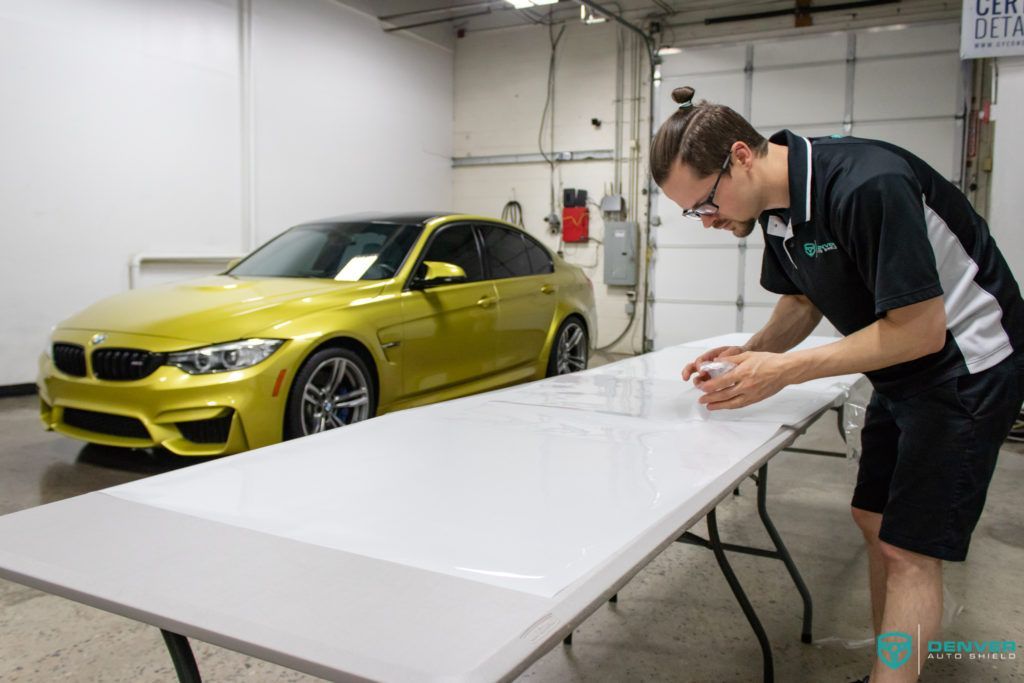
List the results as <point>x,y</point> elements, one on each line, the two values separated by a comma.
<point>703,158</point>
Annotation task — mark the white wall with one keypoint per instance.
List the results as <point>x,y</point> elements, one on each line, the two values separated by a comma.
<point>500,90</point>
<point>1006,215</point>
<point>346,117</point>
<point>121,130</point>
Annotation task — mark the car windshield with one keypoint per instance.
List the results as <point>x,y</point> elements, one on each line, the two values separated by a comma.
<point>336,251</point>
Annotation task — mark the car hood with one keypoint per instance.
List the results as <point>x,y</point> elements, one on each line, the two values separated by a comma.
<point>218,308</point>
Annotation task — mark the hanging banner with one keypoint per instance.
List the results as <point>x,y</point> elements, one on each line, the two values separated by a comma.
<point>992,28</point>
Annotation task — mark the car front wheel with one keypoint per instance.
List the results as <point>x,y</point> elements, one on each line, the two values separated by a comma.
<point>333,389</point>
<point>570,351</point>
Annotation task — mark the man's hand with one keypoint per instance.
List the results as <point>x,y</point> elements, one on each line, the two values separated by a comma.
<point>757,376</point>
<point>691,369</point>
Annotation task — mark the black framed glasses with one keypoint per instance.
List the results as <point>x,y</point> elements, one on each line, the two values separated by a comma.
<point>708,206</point>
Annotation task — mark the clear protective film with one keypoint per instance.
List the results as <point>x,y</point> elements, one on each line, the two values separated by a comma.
<point>660,400</point>
<point>667,364</point>
<point>512,495</point>
<point>855,409</point>
<point>527,488</point>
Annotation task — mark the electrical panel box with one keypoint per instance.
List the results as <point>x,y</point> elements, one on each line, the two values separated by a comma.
<point>620,262</point>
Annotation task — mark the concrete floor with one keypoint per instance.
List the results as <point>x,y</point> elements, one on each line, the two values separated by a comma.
<point>676,621</point>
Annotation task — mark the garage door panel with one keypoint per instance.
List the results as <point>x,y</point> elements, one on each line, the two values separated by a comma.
<point>825,329</point>
<point>704,274</point>
<point>884,41</point>
<point>786,97</point>
<point>756,317</point>
<point>680,323</point>
<point>818,131</point>
<point>702,60</point>
<point>906,87</point>
<point>676,230</point>
<point>800,51</point>
<point>752,290</point>
<point>933,141</point>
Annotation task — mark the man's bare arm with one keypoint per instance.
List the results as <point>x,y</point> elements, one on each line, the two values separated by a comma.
<point>902,335</point>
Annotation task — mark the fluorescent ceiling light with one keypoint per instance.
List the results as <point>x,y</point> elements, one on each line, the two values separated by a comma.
<point>525,4</point>
<point>890,27</point>
<point>587,16</point>
<point>669,50</point>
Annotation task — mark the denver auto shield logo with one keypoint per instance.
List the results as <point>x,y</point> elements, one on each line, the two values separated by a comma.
<point>894,649</point>
<point>813,249</point>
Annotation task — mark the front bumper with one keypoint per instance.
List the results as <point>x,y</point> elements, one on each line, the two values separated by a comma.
<point>201,415</point>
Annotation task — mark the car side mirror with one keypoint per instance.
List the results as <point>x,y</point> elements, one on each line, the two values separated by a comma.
<point>436,273</point>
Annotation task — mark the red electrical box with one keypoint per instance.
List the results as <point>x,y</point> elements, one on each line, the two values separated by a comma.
<point>575,224</point>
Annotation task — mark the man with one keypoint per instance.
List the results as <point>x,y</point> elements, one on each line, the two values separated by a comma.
<point>897,260</point>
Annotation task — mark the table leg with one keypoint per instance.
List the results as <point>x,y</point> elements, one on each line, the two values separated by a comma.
<point>783,552</point>
<point>568,639</point>
<point>181,655</point>
<point>741,597</point>
<point>818,451</point>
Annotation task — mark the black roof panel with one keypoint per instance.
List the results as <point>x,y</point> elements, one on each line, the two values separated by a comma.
<point>407,218</point>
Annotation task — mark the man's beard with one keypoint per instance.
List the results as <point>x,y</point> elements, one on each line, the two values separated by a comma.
<point>744,228</point>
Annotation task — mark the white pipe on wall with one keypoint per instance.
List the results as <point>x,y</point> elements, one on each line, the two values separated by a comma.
<point>247,125</point>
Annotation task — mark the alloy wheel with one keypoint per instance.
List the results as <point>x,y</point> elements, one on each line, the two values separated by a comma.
<point>336,394</point>
<point>571,352</point>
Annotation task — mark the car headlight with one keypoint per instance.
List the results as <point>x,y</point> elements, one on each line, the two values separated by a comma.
<point>224,357</point>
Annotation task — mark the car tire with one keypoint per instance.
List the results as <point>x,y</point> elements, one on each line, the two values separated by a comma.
<point>333,388</point>
<point>570,351</point>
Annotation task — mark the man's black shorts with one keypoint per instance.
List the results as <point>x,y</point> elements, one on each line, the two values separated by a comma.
<point>927,460</point>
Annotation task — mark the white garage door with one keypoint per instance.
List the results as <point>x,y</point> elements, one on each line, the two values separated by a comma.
<point>903,85</point>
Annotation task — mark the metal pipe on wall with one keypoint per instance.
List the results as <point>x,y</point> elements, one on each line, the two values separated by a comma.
<point>620,88</point>
<point>653,61</point>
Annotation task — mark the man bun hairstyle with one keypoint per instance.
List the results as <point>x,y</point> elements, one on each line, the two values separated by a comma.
<point>700,135</point>
<point>683,96</point>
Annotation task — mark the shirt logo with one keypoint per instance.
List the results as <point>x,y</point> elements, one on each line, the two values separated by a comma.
<point>813,249</point>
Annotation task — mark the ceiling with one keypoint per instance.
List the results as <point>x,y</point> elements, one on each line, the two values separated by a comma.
<point>682,21</point>
<point>476,15</point>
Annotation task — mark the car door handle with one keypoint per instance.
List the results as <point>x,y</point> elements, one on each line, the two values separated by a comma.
<point>547,289</point>
<point>486,301</point>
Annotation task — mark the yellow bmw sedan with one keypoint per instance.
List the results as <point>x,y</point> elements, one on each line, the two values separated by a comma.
<point>327,324</point>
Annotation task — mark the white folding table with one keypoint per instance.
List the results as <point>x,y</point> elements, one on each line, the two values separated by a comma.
<point>454,542</point>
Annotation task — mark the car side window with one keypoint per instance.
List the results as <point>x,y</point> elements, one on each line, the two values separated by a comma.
<point>456,244</point>
<point>505,252</point>
<point>540,259</point>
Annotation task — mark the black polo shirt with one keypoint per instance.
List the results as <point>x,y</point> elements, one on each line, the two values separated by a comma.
<point>871,227</point>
